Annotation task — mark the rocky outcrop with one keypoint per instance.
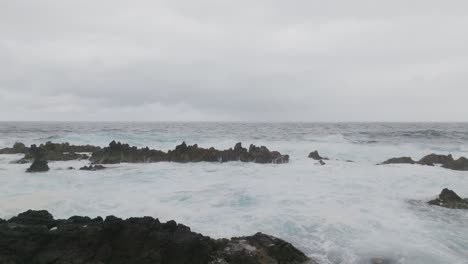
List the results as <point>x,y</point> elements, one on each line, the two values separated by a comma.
<point>92,168</point>
<point>432,159</point>
<point>449,199</point>
<point>316,156</point>
<point>38,166</point>
<point>447,161</point>
<point>18,148</point>
<point>35,237</point>
<point>401,160</point>
<point>460,164</point>
<point>118,152</point>
<point>39,162</point>
<point>52,151</point>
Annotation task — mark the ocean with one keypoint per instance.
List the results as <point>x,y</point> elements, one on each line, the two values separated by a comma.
<point>342,212</point>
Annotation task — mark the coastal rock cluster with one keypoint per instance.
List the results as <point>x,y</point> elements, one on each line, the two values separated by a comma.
<point>36,237</point>
<point>449,199</point>
<point>118,153</point>
<point>447,161</point>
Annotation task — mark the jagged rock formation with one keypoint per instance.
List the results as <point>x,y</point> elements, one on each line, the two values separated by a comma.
<point>118,152</point>
<point>51,151</point>
<point>449,199</point>
<point>316,156</point>
<point>38,166</point>
<point>35,237</point>
<point>39,162</point>
<point>447,161</point>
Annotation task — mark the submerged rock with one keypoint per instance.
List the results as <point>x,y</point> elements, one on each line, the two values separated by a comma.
<point>449,199</point>
<point>316,156</point>
<point>118,153</point>
<point>35,237</point>
<point>93,168</point>
<point>401,160</point>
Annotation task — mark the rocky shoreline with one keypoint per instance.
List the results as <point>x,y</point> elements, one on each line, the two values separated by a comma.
<point>36,237</point>
<point>118,152</point>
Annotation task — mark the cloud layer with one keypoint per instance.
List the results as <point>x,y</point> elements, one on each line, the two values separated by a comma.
<point>227,60</point>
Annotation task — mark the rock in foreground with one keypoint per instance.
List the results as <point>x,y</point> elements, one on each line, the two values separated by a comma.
<point>118,153</point>
<point>35,237</point>
<point>449,199</point>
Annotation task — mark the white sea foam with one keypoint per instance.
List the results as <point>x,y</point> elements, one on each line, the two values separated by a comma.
<point>338,213</point>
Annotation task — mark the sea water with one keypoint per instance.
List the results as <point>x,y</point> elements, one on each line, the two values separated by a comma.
<point>342,212</point>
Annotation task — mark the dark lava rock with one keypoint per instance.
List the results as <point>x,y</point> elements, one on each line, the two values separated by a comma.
<point>259,248</point>
<point>449,199</point>
<point>58,152</point>
<point>316,156</point>
<point>322,162</point>
<point>432,159</point>
<point>402,160</point>
<point>38,166</point>
<point>18,148</point>
<point>460,164</point>
<point>35,237</point>
<point>93,168</point>
<point>118,152</point>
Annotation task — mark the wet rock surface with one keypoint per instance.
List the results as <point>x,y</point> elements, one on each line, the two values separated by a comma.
<point>18,148</point>
<point>432,159</point>
<point>446,161</point>
<point>38,166</point>
<point>118,153</point>
<point>449,199</point>
<point>93,168</point>
<point>51,151</point>
<point>401,160</point>
<point>316,156</point>
<point>35,237</point>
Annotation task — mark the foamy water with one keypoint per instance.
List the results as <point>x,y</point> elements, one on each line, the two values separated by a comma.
<point>339,213</point>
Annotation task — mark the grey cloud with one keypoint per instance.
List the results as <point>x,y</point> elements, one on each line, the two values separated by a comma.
<point>233,60</point>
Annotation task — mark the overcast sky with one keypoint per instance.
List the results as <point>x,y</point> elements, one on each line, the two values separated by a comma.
<point>233,60</point>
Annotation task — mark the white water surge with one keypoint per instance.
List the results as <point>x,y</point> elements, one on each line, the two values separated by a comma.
<point>338,213</point>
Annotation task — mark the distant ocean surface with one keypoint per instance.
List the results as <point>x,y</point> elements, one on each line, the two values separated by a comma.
<point>338,213</point>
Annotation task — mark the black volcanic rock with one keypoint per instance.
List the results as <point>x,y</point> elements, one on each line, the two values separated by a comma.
<point>401,160</point>
<point>432,159</point>
<point>35,237</point>
<point>460,164</point>
<point>316,156</point>
<point>449,199</point>
<point>38,166</point>
<point>118,152</point>
<point>58,152</point>
<point>18,148</point>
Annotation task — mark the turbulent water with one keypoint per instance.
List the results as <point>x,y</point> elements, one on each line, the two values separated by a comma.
<point>338,213</point>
